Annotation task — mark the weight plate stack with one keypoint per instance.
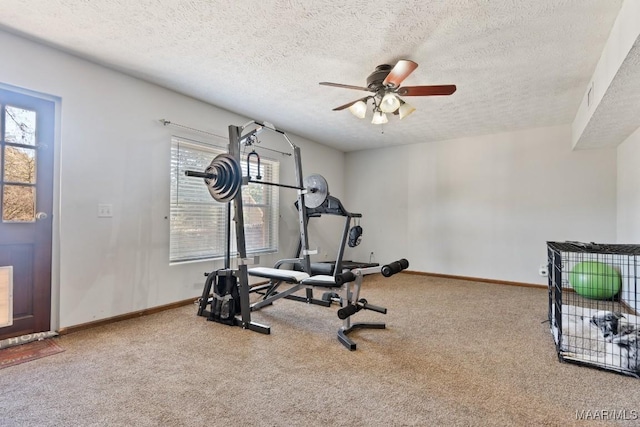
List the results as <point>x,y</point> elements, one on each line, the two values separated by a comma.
<point>228,179</point>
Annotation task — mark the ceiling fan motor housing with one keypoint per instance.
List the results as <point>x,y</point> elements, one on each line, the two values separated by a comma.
<point>375,79</point>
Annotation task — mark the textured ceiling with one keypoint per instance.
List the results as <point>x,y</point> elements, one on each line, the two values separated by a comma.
<point>616,116</point>
<point>517,64</point>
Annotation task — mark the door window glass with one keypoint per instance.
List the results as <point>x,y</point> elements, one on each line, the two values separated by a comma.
<point>18,164</point>
<point>19,125</point>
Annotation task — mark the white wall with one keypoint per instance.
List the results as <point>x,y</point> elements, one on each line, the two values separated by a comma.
<point>482,206</point>
<point>629,190</point>
<point>112,149</point>
<point>628,230</point>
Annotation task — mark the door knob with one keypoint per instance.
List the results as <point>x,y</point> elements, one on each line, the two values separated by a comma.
<point>41,215</point>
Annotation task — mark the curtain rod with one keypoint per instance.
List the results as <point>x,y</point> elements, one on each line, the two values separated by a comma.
<point>169,123</point>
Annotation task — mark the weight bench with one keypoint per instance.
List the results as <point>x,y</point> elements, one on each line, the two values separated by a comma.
<point>276,277</point>
<point>298,280</point>
<point>345,281</point>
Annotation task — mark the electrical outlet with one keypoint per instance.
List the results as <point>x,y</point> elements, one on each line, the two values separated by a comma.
<point>543,270</point>
<point>105,210</point>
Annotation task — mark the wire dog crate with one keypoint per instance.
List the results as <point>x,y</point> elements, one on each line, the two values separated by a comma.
<point>594,310</point>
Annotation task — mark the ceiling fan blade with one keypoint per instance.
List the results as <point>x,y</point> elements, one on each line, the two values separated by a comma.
<point>426,90</point>
<point>342,107</point>
<point>399,72</point>
<point>345,86</point>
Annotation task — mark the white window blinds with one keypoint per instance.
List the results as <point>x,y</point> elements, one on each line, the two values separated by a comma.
<point>198,222</point>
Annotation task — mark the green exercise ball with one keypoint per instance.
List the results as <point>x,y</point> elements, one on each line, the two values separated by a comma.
<point>595,280</point>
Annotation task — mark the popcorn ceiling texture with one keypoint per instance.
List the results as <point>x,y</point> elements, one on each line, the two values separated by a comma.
<point>517,64</point>
<point>616,116</point>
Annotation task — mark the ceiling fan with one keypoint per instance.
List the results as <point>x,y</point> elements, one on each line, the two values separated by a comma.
<point>385,82</point>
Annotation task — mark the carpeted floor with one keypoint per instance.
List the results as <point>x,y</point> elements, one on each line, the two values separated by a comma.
<point>454,353</point>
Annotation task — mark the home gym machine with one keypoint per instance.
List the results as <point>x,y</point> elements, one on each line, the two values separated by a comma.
<point>226,294</point>
<point>223,178</point>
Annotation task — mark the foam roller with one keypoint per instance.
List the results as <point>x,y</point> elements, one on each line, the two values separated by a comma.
<point>394,267</point>
<point>347,311</point>
<point>345,277</point>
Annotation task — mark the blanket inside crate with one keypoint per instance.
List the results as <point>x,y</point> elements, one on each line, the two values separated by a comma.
<point>583,341</point>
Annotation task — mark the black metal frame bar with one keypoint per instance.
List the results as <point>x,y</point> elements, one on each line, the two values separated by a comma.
<point>236,139</point>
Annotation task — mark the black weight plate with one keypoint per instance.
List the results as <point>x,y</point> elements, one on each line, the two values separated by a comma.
<point>209,169</point>
<point>229,178</point>
<point>233,178</point>
<point>212,184</point>
<point>226,180</point>
<point>237,173</point>
<point>216,185</point>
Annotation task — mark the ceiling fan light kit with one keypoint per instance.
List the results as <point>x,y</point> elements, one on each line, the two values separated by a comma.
<point>389,103</point>
<point>385,82</point>
<point>405,109</point>
<point>379,118</point>
<point>359,109</point>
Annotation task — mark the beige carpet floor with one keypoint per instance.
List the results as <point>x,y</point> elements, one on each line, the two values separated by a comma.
<point>455,353</point>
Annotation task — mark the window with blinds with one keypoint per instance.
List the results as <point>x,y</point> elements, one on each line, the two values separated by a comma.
<point>198,222</point>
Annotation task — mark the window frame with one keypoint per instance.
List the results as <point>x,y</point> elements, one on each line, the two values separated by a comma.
<point>180,252</point>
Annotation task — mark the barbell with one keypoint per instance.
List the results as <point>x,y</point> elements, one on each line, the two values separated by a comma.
<point>223,178</point>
